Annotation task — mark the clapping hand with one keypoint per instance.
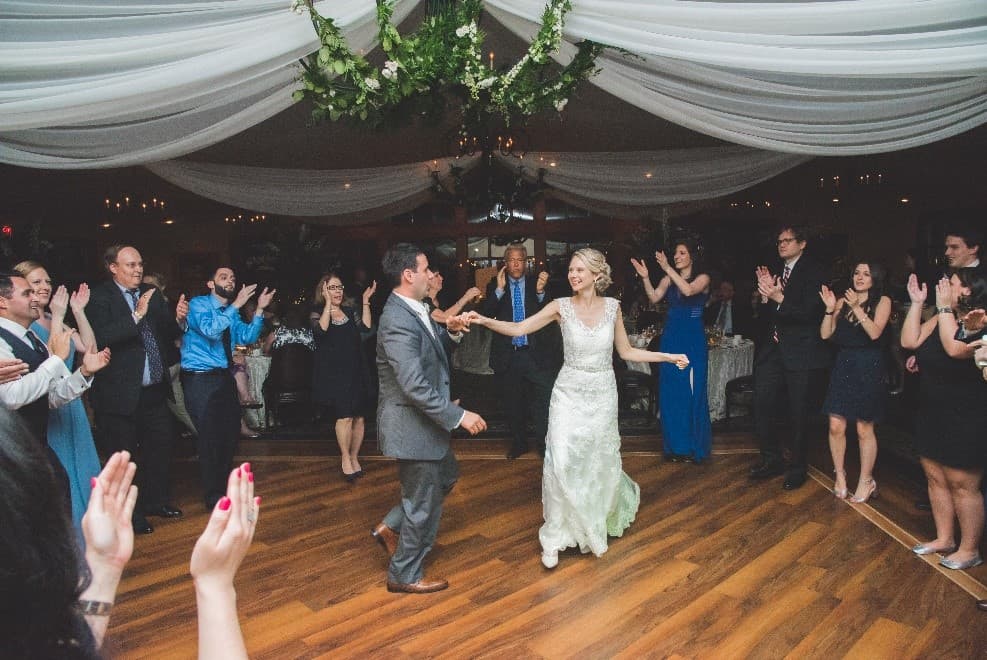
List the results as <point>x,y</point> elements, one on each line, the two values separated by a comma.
<point>662,261</point>
<point>975,321</point>
<point>142,303</point>
<point>245,293</point>
<point>265,298</point>
<point>944,294</point>
<point>541,282</point>
<point>368,293</point>
<point>107,525</point>
<point>828,298</point>
<point>181,310</point>
<point>502,278</point>
<point>224,543</point>
<point>640,268</point>
<point>93,361</point>
<point>917,294</point>
<point>60,341</point>
<point>79,299</point>
<point>59,303</point>
<point>770,289</point>
<point>851,297</point>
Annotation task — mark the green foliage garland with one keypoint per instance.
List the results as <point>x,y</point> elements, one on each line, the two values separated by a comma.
<point>443,55</point>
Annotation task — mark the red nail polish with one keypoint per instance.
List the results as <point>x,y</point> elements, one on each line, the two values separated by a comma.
<point>257,500</point>
<point>238,473</point>
<point>246,467</point>
<point>92,482</point>
<point>224,503</point>
<point>250,477</point>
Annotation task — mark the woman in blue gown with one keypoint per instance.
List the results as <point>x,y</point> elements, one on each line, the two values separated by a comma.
<point>69,433</point>
<point>683,405</point>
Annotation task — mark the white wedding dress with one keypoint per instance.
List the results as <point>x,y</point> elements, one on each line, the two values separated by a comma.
<point>585,494</point>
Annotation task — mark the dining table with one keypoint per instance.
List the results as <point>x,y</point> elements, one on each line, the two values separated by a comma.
<point>730,358</point>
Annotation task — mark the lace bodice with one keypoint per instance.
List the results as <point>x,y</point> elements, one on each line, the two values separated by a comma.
<point>588,349</point>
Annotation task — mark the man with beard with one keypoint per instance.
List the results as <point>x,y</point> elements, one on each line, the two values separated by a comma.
<point>214,327</point>
<point>130,396</point>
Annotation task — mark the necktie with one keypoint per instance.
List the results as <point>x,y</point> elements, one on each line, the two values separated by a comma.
<point>227,343</point>
<point>721,316</point>
<point>154,366</point>
<point>37,343</point>
<point>518,306</point>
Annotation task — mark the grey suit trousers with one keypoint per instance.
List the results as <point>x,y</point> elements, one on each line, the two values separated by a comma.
<point>424,486</point>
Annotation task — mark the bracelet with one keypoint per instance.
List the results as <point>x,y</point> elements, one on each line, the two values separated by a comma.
<point>94,607</point>
<point>366,304</point>
<point>830,312</point>
<point>944,310</point>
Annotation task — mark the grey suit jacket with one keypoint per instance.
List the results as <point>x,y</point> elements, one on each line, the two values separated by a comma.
<point>414,413</point>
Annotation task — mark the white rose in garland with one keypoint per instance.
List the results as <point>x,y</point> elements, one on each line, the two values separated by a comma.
<point>443,55</point>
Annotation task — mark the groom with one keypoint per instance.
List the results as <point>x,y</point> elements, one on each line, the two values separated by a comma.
<point>414,418</point>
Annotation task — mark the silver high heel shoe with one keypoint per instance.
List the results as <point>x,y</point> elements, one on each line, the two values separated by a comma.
<point>872,493</point>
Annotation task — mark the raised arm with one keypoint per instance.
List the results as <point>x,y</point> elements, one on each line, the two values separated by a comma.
<point>913,331</point>
<point>547,314</point>
<point>833,306</point>
<point>697,285</point>
<point>872,326</point>
<point>440,316</point>
<point>78,302</point>
<point>654,295</point>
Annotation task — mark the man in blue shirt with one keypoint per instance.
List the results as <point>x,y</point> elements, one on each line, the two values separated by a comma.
<point>214,327</point>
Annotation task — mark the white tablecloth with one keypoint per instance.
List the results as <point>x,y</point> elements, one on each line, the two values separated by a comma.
<point>725,363</point>
<point>258,367</point>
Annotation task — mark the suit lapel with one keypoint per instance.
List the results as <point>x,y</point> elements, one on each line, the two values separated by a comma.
<point>434,335</point>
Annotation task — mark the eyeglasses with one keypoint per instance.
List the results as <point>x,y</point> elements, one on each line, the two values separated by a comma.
<point>785,241</point>
<point>336,287</point>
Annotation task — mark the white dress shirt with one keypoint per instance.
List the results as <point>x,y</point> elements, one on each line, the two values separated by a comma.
<point>52,377</point>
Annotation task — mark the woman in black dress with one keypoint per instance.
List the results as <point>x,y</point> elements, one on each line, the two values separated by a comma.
<point>340,379</point>
<point>952,415</point>
<point>858,385</point>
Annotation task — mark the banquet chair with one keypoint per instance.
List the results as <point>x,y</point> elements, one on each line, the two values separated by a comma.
<point>289,382</point>
<point>633,389</point>
<point>740,394</point>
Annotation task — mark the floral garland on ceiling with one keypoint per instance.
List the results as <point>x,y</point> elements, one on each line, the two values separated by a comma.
<point>444,54</point>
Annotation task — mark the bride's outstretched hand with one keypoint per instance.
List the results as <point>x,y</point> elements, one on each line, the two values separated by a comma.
<point>680,359</point>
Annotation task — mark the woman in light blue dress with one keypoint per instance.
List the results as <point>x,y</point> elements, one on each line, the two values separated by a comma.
<point>683,403</point>
<point>69,433</point>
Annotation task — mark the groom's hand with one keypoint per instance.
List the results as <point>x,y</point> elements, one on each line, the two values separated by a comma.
<point>473,423</point>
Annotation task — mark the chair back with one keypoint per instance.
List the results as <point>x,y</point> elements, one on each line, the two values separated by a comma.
<point>291,370</point>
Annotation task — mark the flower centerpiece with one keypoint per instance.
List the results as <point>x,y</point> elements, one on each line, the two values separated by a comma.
<point>443,55</point>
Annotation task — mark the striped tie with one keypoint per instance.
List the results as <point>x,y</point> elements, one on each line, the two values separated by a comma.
<point>784,282</point>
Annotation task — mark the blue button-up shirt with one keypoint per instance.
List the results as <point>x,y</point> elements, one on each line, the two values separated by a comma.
<point>208,318</point>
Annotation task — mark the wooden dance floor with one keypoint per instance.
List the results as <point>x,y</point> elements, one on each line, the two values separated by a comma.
<point>714,566</point>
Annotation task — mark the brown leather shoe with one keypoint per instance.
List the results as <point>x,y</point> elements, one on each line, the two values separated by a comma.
<point>423,586</point>
<point>387,538</point>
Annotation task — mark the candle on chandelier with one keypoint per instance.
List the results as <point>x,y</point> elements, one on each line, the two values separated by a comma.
<point>491,60</point>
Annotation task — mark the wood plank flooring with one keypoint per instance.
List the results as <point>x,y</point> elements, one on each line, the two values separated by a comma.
<point>714,566</point>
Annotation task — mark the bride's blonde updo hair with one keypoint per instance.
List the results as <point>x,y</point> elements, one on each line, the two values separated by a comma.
<point>597,265</point>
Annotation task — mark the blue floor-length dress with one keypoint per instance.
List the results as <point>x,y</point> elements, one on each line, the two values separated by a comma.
<point>683,404</point>
<point>71,438</point>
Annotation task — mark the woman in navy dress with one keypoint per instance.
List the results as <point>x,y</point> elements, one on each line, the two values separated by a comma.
<point>858,383</point>
<point>340,379</point>
<point>683,402</point>
<point>69,433</point>
<point>952,415</point>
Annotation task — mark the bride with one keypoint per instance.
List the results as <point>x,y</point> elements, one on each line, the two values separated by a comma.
<point>586,496</point>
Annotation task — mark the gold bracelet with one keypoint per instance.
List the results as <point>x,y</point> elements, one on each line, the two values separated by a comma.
<point>94,607</point>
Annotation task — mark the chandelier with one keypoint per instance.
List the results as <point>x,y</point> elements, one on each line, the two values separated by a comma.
<point>483,138</point>
<point>131,208</point>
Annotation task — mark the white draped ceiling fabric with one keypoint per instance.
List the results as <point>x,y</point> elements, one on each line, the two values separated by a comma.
<point>111,83</point>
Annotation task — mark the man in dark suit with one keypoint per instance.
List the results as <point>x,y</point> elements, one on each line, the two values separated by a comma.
<point>130,396</point>
<point>414,418</point>
<point>790,359</point>
<point>525,366</point>
<point>727,313</point>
